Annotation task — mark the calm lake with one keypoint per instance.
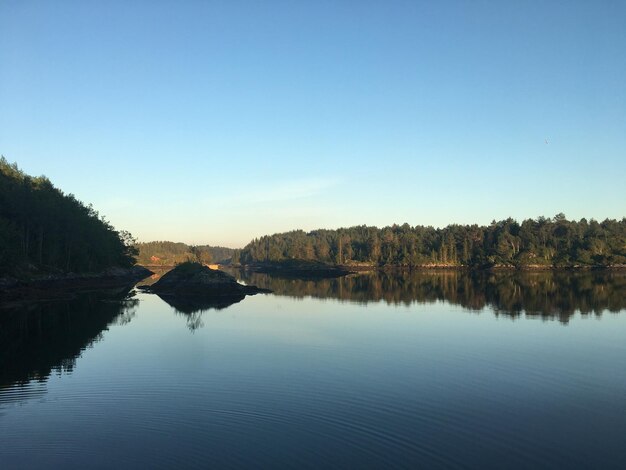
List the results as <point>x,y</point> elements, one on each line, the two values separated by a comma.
<point>430,370</point>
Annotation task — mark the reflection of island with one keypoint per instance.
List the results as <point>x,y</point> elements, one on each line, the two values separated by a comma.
<point>195,304</point>
<point>192,288</point>
<point>548,294</point>
<point>193,307</point>
<point>39,338</point>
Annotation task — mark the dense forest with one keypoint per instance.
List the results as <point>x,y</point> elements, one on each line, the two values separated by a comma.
<point>44,230</point>
<point>170,253</point>
<point>540,242</point>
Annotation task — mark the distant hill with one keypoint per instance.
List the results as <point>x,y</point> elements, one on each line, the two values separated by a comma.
<point>165,253</point>
<point>43,230</point>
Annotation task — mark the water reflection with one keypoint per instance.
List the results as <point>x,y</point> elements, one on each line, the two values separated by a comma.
<point>157,273</point>
<point>546,294</point>
<point>335,384</point>
<point>39,338</point>
<point>193,307</point>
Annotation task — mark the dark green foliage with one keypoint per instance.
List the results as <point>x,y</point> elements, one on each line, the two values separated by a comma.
<point>42,229</point>
<point>163,253</point>
<point>542,242</point>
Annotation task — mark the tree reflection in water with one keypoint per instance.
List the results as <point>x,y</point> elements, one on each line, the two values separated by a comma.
<point>546,294</point>
<point>39,338</point>
<point>193,307</point>
<point>44,337</point>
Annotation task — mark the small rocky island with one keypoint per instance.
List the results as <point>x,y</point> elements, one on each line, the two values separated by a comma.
<point>195,280</point>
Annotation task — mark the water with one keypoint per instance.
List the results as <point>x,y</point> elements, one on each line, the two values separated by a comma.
<point>432,370</point>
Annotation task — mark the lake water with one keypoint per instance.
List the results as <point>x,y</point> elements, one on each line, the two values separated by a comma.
<point>430,370</point>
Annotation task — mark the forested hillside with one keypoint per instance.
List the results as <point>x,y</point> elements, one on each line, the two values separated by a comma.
<point>164,253</point>
<point>43,229</point>
<point>555,242</point>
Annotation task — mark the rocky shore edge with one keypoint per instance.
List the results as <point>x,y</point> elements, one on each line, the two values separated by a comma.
<point>59,285</point>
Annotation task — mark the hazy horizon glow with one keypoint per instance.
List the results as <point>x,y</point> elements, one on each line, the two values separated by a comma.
<point>217,122</point>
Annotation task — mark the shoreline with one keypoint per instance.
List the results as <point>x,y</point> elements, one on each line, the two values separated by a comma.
<point>353,268</point>
<point>64,286</point>
<point>347,269</point>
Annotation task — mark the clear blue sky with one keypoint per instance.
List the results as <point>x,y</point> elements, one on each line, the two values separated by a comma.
<point>216,122</point>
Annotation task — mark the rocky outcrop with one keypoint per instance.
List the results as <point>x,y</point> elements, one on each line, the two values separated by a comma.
<point>194,279</point>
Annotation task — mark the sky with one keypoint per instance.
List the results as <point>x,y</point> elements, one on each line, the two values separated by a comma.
<point>212,122</point>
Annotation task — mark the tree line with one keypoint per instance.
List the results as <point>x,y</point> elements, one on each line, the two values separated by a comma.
<point>43,229</point>
<point>541,242</point>
<point>164,253</point>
